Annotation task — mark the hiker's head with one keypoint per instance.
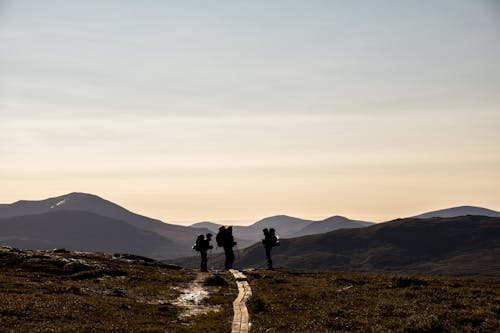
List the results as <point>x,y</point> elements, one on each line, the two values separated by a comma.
<point>200,237</point>
<point>229,229</point>
<point>272,231</point>
<point>222,228</point>
<point>265,231</point>
<point>209,236</point>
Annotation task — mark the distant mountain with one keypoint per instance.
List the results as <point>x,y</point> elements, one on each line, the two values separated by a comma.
<point>287,226</point>
<point>460,246</point>
<point>241,243</point>
<point>330,224</point>
<point>460,211</point>
<point>83,231</point>
<point>213,227</point>
<point>182,236</point>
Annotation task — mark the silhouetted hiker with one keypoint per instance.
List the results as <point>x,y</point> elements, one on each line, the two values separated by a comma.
<point>270,240</point>
<point>203,252</point>
<point>225,239</point>
<point>202,245</point>
<point>219,238</point>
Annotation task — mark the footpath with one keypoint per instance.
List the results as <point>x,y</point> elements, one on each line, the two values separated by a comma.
<point>240,319</point>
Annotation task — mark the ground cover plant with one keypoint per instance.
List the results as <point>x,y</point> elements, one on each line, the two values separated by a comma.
<point>83,292</point>
<point>311,301</point>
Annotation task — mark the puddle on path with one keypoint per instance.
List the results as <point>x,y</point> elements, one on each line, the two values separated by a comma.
<point>191,298</point>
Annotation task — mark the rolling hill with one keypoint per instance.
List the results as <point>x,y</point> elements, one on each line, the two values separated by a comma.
<point>460,211</point>
<point>288,226</point>
<point>181,237</point>
<point>468,246</point>
<point>331,224</point>
<point>83,231</point>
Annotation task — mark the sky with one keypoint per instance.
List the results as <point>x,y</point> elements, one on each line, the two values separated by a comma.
<point>232,111</point>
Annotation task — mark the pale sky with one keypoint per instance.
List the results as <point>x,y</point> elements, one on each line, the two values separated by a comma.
<point>232,111</point>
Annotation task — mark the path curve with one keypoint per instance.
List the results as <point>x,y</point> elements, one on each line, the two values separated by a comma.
<point>240,320</point>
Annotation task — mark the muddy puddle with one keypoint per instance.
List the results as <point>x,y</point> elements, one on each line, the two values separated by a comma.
<point>191,298</point>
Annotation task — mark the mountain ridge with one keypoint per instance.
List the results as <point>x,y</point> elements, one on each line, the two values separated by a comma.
<point>179,239</point>
<point>288,226</point>
<point>458,246</point>
<point>83,231</point>
<point>182,236</point>
<point>460,211</point>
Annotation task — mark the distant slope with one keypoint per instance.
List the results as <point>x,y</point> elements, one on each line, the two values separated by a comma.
<point>460,211</point>
<point>459,246</point>
<point>84,231</point>
<point>331,224</point>
<point>182,236</point>
<point>213,227</point>
<point>287,226</point>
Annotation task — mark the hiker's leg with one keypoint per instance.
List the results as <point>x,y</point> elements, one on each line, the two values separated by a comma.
<point>203,261</point>
<point>226,262</point>
<point>268,257</point>
<point>231,258</point>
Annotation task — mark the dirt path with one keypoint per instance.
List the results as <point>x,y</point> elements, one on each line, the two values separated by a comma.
<point>240,320</point>
<point>191,297</point>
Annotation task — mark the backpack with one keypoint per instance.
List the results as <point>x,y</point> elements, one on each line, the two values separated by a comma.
<point>198,245</point>
<point>219,239</point>
<point>275,241</point>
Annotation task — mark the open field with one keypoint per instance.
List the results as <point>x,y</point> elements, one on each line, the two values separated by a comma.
<point>309,301</point>
<point>69,292</point>
<point>43,291</point>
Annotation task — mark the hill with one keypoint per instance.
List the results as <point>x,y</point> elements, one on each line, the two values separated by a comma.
<point>330,224</point>
<point>213,227</point>
<point>461,246</point>
<point>181,237</point>
<point>287,226</point>
<point>460,211</point>
<point>467,245</point>
<point>83,231</point>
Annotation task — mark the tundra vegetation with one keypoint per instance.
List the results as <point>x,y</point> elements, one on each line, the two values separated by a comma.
<point>42,291</point>
<point>314,301</point>
<point>59,291</point>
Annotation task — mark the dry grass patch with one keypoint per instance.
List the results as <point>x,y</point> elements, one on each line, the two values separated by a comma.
<point>70,292</point>
<point>306,301</point>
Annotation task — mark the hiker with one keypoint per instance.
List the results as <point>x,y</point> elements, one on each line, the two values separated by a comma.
<point>270,240</point>
<point>203,252</point>
<point>202,245</point>
<point>225,240</point>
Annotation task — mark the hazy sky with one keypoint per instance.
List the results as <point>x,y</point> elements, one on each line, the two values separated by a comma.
<point>231,111</point>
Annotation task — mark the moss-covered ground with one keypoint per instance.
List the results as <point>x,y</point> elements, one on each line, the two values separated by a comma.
<point>78,292</point>
<point>307,301</point>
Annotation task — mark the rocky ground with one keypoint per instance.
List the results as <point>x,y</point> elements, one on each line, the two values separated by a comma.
<point>59,291</point>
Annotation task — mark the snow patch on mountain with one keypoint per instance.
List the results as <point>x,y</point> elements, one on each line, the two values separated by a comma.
<point>62,202</point>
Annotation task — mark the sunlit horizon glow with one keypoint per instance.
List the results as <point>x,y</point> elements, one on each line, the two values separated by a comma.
<point>231,111</point>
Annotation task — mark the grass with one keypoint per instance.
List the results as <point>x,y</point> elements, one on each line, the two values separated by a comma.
<point>307,301</point>
<point>68,292</point>
<point>78,292</point>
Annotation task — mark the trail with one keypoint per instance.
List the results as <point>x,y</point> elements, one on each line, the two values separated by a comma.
<point>240,320</point>
<point>191,297</point>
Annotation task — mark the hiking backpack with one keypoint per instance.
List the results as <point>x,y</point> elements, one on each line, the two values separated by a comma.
<point>219,239</point>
